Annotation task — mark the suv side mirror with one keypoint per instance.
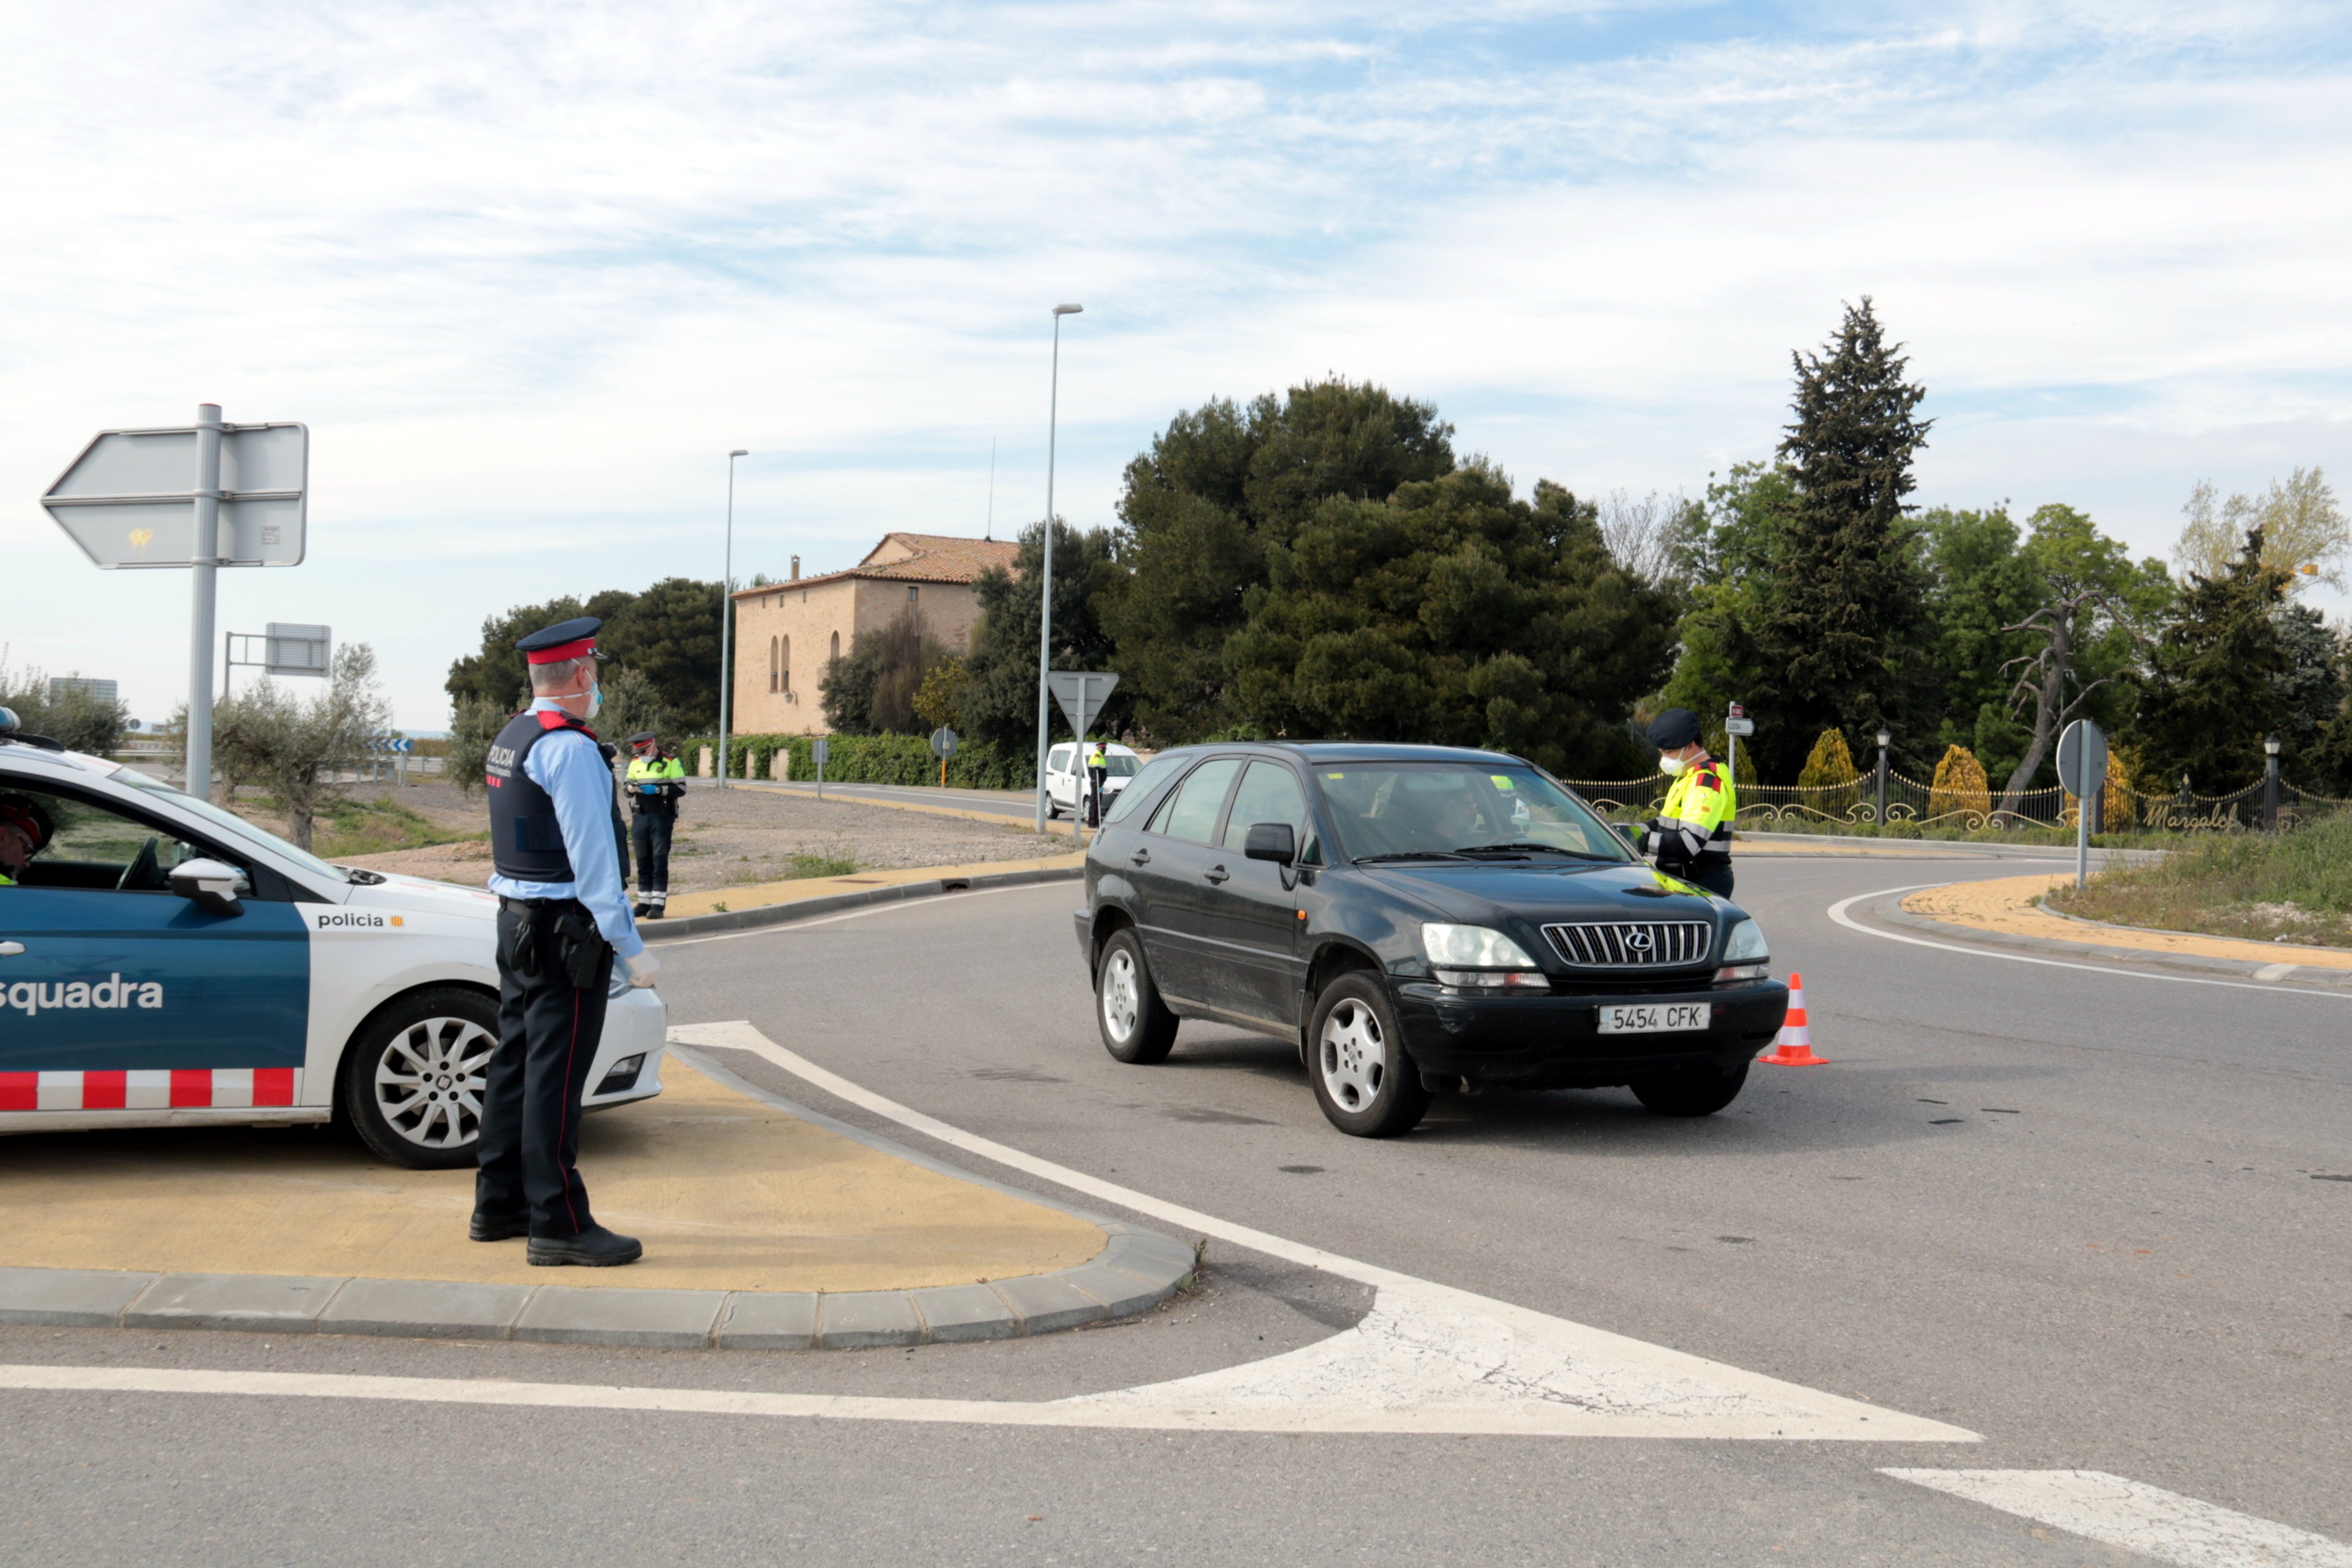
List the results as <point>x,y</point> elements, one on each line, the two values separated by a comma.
<point>209,885</point>
<point>1274,841</point>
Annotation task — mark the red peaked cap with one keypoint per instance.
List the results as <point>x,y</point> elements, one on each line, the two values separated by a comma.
<point>575,638</point>
<point>35,831</point>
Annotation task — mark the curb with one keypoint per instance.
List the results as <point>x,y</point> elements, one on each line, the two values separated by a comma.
<point>657,932</point>
<point>1888,912</point>
<point>1136,1272</point>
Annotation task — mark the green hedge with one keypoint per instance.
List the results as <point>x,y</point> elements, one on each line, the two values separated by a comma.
<point>885,760</point>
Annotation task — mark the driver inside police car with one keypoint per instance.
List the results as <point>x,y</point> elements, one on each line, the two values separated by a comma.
<point>25,828</point>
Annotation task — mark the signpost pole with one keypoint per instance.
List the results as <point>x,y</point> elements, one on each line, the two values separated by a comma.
<point>204,573</point>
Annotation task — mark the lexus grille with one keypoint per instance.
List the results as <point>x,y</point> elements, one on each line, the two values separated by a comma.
<point>1632,944</point>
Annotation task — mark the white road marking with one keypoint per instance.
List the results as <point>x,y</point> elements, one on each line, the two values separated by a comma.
<point>2275,971</point>
<point>1427,1358</point>
<point>1838,913</point>
<point>2138,1518</point>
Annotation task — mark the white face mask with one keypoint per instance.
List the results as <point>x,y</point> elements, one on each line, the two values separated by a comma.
<point>595,700</point>
<point>1670,765</point>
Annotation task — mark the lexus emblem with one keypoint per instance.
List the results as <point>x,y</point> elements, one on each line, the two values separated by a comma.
<point>1639,940</point>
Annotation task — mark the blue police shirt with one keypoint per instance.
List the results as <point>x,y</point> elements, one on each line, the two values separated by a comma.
<point>568,766</point>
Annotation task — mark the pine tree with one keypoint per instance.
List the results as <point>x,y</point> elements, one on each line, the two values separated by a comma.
<point>1839,632</point>
<point>2217,679</point>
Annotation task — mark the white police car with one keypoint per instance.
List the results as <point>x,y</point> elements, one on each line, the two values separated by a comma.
<point>164,963</point>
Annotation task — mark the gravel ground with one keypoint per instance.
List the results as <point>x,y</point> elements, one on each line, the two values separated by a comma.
<point>742,836</point>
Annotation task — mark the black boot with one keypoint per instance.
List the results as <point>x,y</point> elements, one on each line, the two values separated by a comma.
<point>498,1227</point>
<point>642,909</point>
<point>595,1248</point>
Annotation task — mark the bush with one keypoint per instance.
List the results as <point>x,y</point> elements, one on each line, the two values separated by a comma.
<point>73,718</point>
<point>1830,768</point>
<point>886,760</point>
<point>1959,787</point>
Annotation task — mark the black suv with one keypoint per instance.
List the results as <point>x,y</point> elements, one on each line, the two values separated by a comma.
<point>1412,918</point>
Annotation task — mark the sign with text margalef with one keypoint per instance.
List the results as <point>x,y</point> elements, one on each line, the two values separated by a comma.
<point>1081,693</point>
<point>129,499</point>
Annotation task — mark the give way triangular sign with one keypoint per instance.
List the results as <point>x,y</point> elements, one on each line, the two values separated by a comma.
<point>1081,693</point>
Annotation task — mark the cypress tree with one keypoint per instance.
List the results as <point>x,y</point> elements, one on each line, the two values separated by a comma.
<point>2218,681</point>
<point>1838,635</point>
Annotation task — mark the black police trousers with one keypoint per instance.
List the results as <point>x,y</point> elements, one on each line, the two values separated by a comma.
<point>1715,876</point>
<point>548,1031</point>
<point>649,836</point>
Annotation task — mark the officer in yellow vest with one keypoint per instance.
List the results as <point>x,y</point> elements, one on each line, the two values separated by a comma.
<point>1098,769</point>
<point>1691,836</point>
<point>655,781</point>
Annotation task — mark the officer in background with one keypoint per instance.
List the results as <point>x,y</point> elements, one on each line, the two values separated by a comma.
<point>656,780</point>
<point>1098,769</point>
<point>1691,836</point>
<point>558,845</point>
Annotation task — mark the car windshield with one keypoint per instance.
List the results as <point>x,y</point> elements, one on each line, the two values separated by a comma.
<point>1468,810</point>
<point>229,821</point>
<point>1117,767</point>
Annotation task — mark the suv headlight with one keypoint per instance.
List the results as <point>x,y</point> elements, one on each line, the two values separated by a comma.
<point>1479,957</point>
<point>1744,954</point>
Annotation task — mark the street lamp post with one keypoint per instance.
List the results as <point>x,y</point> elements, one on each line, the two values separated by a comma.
<point>1883,737</point>
<point>1045,602</point>
<point>2270,783</point>
<point>726,622</point>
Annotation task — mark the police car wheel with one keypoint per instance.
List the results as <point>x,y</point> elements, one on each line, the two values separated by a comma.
<point>1690,1093</point>
<point>414,1076</point>
<point>1136,1024</point>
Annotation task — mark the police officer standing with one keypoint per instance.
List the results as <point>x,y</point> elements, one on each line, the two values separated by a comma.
<point>1691,836</point>
<point>556,843</point>
<point>655,781</point>
<point>1098,769</point>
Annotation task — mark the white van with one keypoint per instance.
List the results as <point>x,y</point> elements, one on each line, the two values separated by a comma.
<point>1066,776</point>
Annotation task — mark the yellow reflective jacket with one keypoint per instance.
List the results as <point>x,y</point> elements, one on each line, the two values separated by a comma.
<point>1704,798</point>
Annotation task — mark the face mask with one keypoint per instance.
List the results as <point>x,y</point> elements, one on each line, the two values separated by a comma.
<point>595,700</point>
<point>1670,765</point>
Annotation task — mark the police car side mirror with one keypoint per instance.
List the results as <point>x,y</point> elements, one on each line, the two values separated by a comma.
<point>1274,841</point>
<point>209,885</point>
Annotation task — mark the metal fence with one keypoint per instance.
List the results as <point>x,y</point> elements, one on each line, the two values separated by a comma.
<point>1793,809</point>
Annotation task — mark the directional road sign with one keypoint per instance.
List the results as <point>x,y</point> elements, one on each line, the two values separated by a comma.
<point>1739,726</point>
<point>1081,693</point>
<point>293,649</point>
<point>129,499</point>
<point>943,742</point>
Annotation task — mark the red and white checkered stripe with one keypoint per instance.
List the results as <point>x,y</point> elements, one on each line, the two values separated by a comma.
<point>150,1088</point>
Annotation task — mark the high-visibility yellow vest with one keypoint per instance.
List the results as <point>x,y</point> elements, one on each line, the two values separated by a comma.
<point>1707,799</point>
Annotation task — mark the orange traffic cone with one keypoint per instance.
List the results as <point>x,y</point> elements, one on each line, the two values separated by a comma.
<point>1795,1049</point>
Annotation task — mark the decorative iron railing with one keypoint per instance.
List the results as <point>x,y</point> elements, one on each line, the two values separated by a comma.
<point>1793,809</point>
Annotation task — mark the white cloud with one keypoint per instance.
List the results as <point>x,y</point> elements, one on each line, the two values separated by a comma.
<point>527,270</point>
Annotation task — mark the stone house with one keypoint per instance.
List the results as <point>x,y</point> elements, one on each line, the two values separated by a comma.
<point>784,632</point>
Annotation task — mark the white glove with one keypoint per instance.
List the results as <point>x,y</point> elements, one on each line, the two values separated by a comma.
<point>642,967</point>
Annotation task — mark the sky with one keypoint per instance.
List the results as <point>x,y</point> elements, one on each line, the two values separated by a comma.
<point>528,271</point>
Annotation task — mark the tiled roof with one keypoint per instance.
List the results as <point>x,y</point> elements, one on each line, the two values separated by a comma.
<point>934,558</point>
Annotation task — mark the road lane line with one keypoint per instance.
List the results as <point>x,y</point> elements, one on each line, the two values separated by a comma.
<point>1428,1357</point>
<point>2138,1518</point>
<point>1838,913</point>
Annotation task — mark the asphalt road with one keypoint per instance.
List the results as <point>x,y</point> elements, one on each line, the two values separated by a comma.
<point>2074,1213</point>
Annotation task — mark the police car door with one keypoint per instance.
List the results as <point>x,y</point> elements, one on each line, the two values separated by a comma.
<point>117,994</point>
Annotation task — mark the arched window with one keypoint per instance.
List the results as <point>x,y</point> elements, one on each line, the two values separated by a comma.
<point>784,662</point>
<point>836,644</point>
<point>772,666</point>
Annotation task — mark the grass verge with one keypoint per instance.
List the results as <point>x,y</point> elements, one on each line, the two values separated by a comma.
<point>346,827</point>
<point>2271,887</point>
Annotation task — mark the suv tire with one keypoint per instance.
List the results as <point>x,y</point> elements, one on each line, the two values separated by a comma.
<point>1365,1083</point>
<point>412,1079</point>
<point>1136,1024</point>
<point>1698,1093</point>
